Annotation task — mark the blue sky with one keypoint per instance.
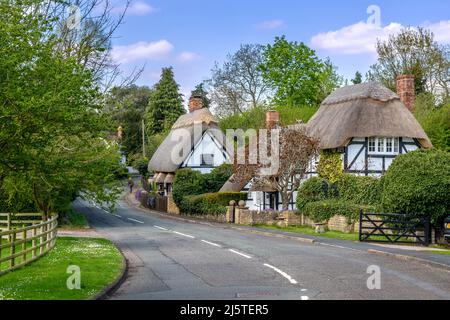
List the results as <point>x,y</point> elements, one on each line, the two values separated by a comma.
<point>192,35</point>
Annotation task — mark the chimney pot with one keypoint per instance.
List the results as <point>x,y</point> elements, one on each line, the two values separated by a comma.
<point>195,103</point>
<point>272,119</point>
<point>406,90</point>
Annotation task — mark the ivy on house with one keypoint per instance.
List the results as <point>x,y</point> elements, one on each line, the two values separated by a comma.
<point>330,166</point>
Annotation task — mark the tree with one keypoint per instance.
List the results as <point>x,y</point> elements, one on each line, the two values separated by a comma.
<point>53,126</point>
<point>434,119</point>
<point>200,91</point>
<point>85,29</point>
<point>127,106</point>
<point>295,152</point>
<point>166,104</point>
<point>358,78</point>
<point>238,84</point>
<point>413,52</point>
<point>296,74</point>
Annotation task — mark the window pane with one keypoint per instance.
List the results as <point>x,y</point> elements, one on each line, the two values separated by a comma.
<point>371,144</point>
<point>396,145</point>
<point>389,145</point>
<point>207,159</point>
<point>380,144</point>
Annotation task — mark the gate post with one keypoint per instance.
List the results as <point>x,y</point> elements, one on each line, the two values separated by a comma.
<point>427,225</point>
<point>230,211</point>
<point>360,224</point>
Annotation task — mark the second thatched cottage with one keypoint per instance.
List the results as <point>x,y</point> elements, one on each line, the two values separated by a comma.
<point>368,124</point>
<point>195,141</point>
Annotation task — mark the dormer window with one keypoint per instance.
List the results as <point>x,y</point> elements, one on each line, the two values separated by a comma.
<point>378,145</point>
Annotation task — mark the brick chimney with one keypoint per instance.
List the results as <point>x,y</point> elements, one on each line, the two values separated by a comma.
<point>406,90</point>
<point>272,119</point>
<point>195,103</point>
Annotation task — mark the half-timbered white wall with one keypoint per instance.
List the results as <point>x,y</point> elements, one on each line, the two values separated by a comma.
<point>206,145</point>
<point>354,157</point>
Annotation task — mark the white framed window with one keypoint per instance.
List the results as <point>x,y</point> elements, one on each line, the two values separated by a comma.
<point>372,144</point>
<point>380,145</point>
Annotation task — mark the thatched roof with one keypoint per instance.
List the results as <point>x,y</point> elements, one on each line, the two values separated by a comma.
<point>360,111</point>
<point>185,134</point>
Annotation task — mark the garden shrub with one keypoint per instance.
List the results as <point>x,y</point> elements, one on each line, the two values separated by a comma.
<point>360,190</point>
<point>215,180</point>
<point>314,189</point>
<point>322,211</point>
<point>210,203</point>
<point>187,182</point>
<point>418,183</point>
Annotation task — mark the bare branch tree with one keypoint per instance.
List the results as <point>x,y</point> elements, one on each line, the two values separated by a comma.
<point>296,151</point>
<point>238,84</point>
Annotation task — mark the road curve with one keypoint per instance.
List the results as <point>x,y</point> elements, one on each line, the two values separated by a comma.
<point>172,259</point>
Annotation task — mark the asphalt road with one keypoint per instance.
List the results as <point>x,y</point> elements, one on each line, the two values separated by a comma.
<point>171,259</point>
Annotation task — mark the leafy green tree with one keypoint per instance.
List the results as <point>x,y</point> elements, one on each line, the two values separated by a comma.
<point>127,107</point>
<point>200,91</point>
<point>434,119</point>
<point>166,104</point>
<point>358,78</point>
<point>297,75</point>
<point>52,128</point>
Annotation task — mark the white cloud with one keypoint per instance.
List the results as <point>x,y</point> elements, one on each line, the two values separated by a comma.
<point>271,24</point>
<point>142,51</point>
<point>361,38</point>
<point>136,8</point>
<point>355,39</point>
<point>441,31</point>
<point>187,56</point>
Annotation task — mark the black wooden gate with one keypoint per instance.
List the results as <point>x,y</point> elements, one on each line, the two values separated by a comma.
<point>394,228</point>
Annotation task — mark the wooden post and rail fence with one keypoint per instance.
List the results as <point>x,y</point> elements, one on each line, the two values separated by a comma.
<point>24,238</point>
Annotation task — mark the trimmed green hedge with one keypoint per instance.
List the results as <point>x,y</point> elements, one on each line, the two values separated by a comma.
<point>210,203</point>
<point>314,189</point>
<point>321,211</point>
<point>360,190</point>
<point>418,183</point>
<point>189,182</point>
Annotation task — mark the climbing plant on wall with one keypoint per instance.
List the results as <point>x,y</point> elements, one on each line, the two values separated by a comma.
<point>330,166</point>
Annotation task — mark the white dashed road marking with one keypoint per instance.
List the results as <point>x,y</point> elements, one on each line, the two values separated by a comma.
<point>134,220</point>
<point>240,253</point>
<point>161,228</point>
<point>117,216</point>
<point>184,235</point>
<point>304,298</point>
<point>284,274</point>
<point>212,243</point>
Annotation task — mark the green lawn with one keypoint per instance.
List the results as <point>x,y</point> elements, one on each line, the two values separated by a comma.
<point>310,231</point>
<point>100,264</point>
<point>439,252</point>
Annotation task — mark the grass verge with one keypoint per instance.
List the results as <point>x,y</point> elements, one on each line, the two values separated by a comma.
<point>100,264</point>
<point>310,231</point>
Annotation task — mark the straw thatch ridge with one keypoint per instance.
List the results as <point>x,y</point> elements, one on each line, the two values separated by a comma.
<point>184,136</point>
<point>360,111</point>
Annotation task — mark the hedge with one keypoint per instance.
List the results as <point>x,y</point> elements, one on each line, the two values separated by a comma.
<point>360,190</point>
<point>322,211</point>
<point>314,189</point>
<point>210,203</point>
<point>418,183</point>
<point>189,182</point>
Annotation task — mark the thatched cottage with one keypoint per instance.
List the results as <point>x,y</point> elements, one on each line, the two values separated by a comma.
<point>195,141</point>
<point>367,123</point>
